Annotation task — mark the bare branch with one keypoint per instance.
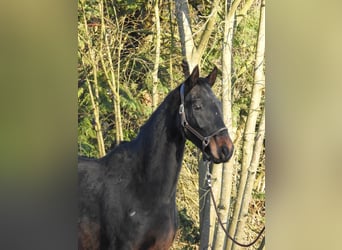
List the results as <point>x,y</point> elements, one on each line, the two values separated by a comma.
<point>208,29</point>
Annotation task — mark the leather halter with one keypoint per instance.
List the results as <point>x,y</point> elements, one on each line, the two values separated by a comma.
<point>204,139</point>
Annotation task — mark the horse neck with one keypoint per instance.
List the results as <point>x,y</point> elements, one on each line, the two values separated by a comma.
<point>162,143</point>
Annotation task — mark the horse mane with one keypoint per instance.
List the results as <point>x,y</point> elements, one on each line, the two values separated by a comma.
<point>170,103</point>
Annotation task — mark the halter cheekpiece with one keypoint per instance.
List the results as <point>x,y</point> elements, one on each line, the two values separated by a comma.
<point>204,139</point>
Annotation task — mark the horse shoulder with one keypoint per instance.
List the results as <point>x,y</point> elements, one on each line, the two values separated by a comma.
<point>90,187</point>
<point>90,178</point>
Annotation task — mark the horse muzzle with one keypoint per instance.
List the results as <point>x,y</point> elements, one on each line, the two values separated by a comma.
<point>221,148</point>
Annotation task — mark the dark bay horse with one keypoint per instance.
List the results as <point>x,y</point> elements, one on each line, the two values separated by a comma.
<point>127,199</point>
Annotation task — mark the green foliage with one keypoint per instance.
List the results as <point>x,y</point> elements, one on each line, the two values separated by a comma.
<point>189,231</point>
<point>130,6</point>
<point>244,46</point>
<point>86,138</point>
<point>259,196</point>
<point>134,19</point>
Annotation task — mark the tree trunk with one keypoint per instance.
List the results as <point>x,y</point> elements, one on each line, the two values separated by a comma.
<point>227,168</point>
<point>96,112</point>
<point>94,96</point>
<point>208,29</point>
<point>258,147</point>
<point>193,56</point>
<point>172,45</point>
<point>207,212</point>
<point>192,53</point>
<point>243,12</point>
<point>156,62</point>
<point>248,144</point>
<point>117,99</point>
<point>184,27</point>
<point>112,77</point>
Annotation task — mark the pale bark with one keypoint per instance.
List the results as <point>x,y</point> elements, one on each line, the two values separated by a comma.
<point>249,134</point>
<point>96,113</point>
<point>258,147</point>
<point>232,10</point>
<point>118,101</point>
<point>204,206</point>
<point>259,184</point>
<point>112,77</point>
<point>207,211</point>
<point>172,45</point>
<point>117,46</point>
<point>184,27</point>
<point>98,127</point>
<point>156,62</point>
<point>94,94</point>
<point>227,168</point>
<point>243,12</point>
<point>192,53</point>
<point>208,29</point>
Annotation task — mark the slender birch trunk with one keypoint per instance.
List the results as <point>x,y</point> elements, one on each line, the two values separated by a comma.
<point>191,53</point>
<point>112,75</point>
<point>258,147</point>
<point>96,112</point>
<point>193,56</point>
<point>93,90</point>
<point>249,134</point>
<point>117,99</point>
<point>184,27</point>
<point>172,45</point>
<point>156,62</point>
<point>207,211</point>
<point>98,127</point>
<point>243,12</point>
<point>227,168</point>
<point>192,59</point>
<point>208,29</point>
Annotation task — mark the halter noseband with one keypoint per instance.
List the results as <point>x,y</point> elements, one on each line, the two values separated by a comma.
<point>204,139</point>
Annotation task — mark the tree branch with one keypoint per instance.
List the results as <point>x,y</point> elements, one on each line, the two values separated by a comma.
<point>208,29</point>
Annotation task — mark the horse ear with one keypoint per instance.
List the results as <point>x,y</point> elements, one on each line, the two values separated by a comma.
<point>192,79</point>
<point>194,75</point>
<point>212,76</point>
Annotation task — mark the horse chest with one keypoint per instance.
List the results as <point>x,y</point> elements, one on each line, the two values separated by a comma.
<point>158,232</point>
<point>148,227</point>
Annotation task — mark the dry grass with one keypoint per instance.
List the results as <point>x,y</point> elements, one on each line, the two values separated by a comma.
<point>187,202</point>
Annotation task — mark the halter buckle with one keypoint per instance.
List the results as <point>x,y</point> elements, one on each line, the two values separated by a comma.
<point>184,122</point>
<point>181,109</point>
<point>205,142</point>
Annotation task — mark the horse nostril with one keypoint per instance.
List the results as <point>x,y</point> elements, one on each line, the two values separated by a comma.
<point>225,152</point>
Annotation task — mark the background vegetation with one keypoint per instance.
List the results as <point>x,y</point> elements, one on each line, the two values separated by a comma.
<point>129,58</point>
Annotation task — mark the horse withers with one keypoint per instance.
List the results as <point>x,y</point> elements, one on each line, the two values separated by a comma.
<point>127,199</point>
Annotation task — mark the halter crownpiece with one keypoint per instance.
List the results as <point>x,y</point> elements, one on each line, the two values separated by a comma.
<point>204,139</point>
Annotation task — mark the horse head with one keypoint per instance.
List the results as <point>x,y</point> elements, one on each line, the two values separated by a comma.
<point>201,117</point>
